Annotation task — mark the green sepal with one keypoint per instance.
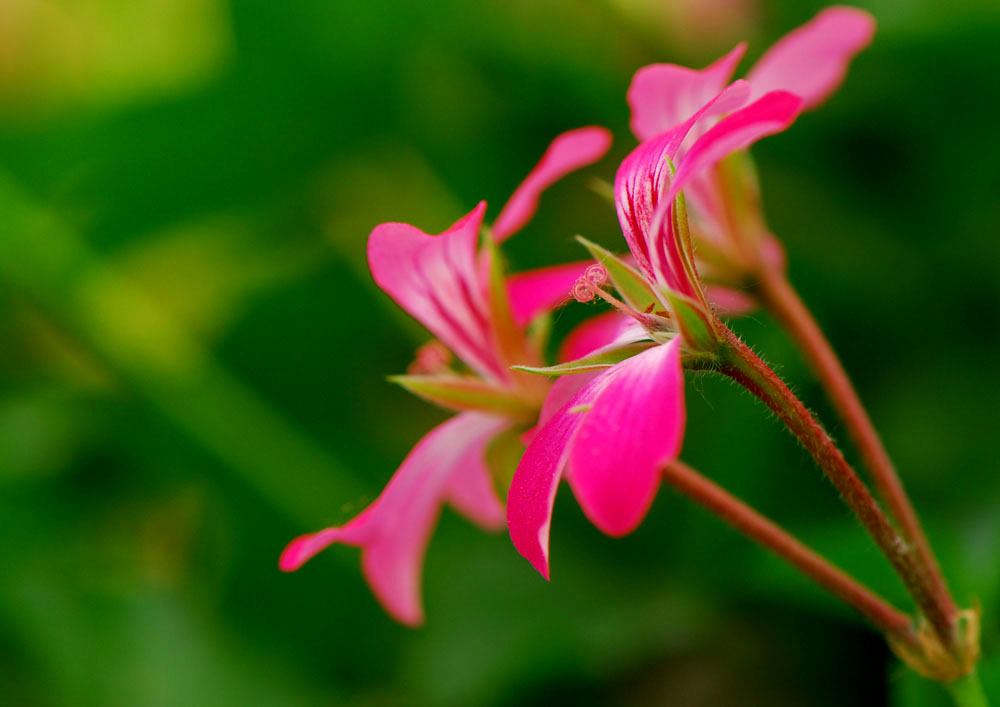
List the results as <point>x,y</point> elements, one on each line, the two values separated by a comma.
<point>603,188</point>
<point>539,331</point>
<point>508,335</point>
<point>503,454</point>
<point>631,285</point>
<point>591,362</point>
<point>682,231</point>
<point>466,393</point>
<point>692,323</point>
<point>738,180</point>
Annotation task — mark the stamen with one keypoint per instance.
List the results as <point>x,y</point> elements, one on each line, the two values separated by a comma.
<point>589,284</point>
<point>583,290</point>
<point>596,274</point>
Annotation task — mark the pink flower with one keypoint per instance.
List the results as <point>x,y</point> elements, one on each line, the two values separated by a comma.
<point>611,439</point>
<point>810,62</point>
<point>458,292</point>
<point>646,186</point>
<point>612,425</point>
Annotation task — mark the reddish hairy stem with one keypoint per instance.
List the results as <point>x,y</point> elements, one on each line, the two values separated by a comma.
<point>743,366</point>
<point>781,299</point>
<point>748,521</point>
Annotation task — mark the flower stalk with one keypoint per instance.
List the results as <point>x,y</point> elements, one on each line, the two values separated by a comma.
<point>779,297</point>
<point>748,521</point>
<point>968,691</point>
<point>743,366</point>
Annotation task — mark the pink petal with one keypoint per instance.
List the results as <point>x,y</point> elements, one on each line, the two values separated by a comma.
<point>305,547</point>
<point>603,331</point>
<point>701,190</point>
<point>730,302</point>
<point>641,179</point>
<point>568,152</point>
<point>635,426</point>
<point>564,389</point>
<point>533,489</point>
<point>811,61</point>
<point>394,530</point>
<point>593,334</point>
<point>438,280</point>
<point>664,95</point>
<point>707,205</point>
<point>537,291</point>
<point>471,491</point>
<point>767,115</point>
<point>644,176</point>
<point>773,252</point>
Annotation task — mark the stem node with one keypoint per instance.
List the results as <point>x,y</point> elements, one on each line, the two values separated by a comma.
<point>932,659</point>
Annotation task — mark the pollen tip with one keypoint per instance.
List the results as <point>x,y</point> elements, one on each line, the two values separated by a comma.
<point>583,290</point>
<point>589,284</point>
<point>596,274</point>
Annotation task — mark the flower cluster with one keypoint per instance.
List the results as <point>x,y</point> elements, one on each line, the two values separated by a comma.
<point>610,427</point>
<point>614,434</point>
<point>612,422</point>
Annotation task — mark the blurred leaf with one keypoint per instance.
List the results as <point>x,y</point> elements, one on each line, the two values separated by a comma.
<point>149,349</point>
<point>40,432</point>
<point>203,273</point>
<point>100,51</point>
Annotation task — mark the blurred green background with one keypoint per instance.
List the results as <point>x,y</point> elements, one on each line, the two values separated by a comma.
<point>193,355</point>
